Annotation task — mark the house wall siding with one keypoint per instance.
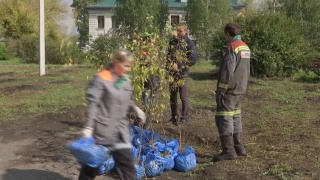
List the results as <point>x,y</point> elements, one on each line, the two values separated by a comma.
<point>94,31</point>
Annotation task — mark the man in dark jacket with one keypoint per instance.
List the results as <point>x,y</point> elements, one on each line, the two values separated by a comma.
<point>232,84</point>
<point>182,53</point>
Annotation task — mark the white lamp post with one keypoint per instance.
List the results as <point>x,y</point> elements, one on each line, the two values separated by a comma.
<point>42,39</point>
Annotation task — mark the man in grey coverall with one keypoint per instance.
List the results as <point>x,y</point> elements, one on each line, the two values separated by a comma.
<point>232,84</point>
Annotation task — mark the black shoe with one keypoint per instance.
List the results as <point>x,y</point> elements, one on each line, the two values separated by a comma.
<point>224,156</point>
<point>228,151</point>
<point>238,146</point>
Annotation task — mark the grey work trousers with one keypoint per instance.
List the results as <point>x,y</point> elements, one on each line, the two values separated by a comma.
<point>183,91</point>
<point>228,114</point>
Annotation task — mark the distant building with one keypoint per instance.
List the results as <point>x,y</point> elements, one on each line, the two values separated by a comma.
<point>101,15</point>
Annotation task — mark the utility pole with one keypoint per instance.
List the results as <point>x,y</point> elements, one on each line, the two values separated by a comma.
<point>42,39</point>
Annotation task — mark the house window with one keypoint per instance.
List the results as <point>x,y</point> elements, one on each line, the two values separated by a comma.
<point>175,20</point>
<point>101,22</point>
<point>114,22</point>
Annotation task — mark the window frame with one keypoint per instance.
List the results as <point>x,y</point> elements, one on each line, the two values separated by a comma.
<point>101,22</point>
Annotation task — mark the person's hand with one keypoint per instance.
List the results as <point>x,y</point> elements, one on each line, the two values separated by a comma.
<point>86,132</point>
<point>220,91</point>
<point>141,115</point>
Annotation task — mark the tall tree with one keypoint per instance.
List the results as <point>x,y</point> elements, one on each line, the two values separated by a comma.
<point>82,19</point>
<point>307,11</point>
<point>21,17</point>
<point>133,14</point>
<point>206,18</point>
<point>308,14</point>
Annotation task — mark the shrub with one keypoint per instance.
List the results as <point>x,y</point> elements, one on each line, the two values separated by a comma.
<point>276,43</point>
<point>3,52</point>
<point>101,49</point>
<point>28,50</point>
<point>307,76</point>
<point>53,53</point>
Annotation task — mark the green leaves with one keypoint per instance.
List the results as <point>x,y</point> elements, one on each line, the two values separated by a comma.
<point>206,19</point>
<point>274,49</point>
<point>3,52</point>
<point>133,14</point>
<point>19,18</point>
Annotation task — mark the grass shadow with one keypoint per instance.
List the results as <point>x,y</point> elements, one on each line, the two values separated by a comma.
<point>202,76</point>
<point>7,80</point>
<point>7,74</point>
<point>31,174</point>
<point>72,124</point>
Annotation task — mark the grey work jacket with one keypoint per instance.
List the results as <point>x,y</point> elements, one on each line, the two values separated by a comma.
<point>107,110</point>
<point>234,69</point>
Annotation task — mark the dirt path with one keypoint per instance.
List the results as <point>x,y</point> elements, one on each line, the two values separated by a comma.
<point>37,149</point>
<point>26,151</point>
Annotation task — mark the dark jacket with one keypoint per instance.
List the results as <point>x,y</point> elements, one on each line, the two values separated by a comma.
<point>189,50</point>
<point>234,69</point>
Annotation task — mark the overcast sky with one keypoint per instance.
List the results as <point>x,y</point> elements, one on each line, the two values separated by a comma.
<point>67,23</point>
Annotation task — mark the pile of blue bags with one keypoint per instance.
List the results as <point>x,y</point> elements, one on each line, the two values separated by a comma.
<point>152,153</point>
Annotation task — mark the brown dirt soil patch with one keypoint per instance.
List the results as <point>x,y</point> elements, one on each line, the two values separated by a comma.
<point>6,80</point>
<point>60,82</point>
<point>48,136</point>
<point>7,74</point>
<point>12,89</point>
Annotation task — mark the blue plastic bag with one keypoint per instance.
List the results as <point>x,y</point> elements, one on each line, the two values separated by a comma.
<point>136,130</point>
<point>87,152</point>
<point>136,141</point>
<point>146,136</point>
<point>134,152</point>
<point>139,171</point>
<point>168,158</point>
<point>185,161</point>
<point>107,166</point>
<point>160,147</point>
<point>173,144</point>
<point>146,149</point>
<point>153,165</point>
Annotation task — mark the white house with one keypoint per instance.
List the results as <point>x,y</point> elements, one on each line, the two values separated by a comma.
<point>101,18</point>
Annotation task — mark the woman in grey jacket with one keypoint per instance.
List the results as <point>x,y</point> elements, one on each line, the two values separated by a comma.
<point>109,98</point>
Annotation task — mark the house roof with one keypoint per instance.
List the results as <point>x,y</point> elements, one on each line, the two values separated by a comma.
<point>113,3</point>
<point>237,6</point>
<point>171,3</point>
<point>104,4</point>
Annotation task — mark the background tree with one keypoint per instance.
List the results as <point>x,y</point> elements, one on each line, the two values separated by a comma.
<point>132,14</point>
<point>274,52</point>
<point>21,17</point>
<point>81,16</point>
<point>19,20</point>
<point>308,14</point>
<point>205,19</point>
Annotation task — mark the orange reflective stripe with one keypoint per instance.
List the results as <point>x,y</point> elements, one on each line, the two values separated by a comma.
<point>106,75</point>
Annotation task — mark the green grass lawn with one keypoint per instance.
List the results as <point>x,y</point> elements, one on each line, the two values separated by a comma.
<point>281,118</point>
<point>24,93</point>
<point>11,61</point>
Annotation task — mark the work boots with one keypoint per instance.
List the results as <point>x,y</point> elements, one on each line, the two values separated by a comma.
<point>228,151</point>
<point>238,146</point>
